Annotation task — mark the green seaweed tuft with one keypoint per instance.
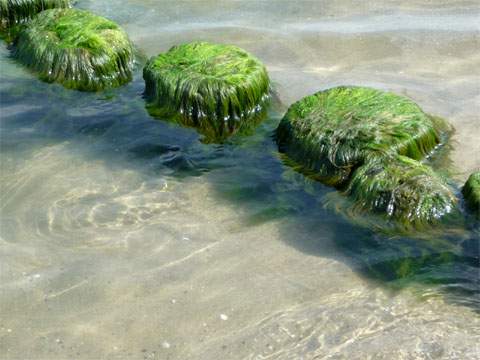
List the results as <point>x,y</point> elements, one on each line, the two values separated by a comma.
<point>211,131</point>
<point>471,193</point>
<point>14,12</point>
<point>402,189</point>
<point>77,49</point>
<point>367,143</point>
<point>218,89</point>
<point>334,131</point>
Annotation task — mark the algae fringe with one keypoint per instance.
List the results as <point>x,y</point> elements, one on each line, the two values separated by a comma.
<point>13,12</point>
<point>217,88</point>
<point>471,193</point>
<point>368,143</point>
<point>403,189</point>
<point>333,131</point>
<point>77,49</point>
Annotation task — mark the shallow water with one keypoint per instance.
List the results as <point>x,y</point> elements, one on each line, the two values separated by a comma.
<point>125,237</point>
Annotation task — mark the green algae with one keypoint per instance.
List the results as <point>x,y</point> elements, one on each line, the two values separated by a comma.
<point>368,143</point>
<point>403,189</point>
<point>471,193</point>
<point>211,131</point>
<point>219,89</point>
<point>14,12</point>
<point>76,48</point>
<point>332,132</point>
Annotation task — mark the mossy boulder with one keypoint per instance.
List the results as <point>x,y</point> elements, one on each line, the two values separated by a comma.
<point>14,12</point>
<point>328,134</point>
<point>216,88</point>
<point>402,189</point>
<point>471,193</point>
<point>368,144</point>
<point>76,48</point>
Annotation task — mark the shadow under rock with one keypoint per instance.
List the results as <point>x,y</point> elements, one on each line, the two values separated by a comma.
<point>268,190</point>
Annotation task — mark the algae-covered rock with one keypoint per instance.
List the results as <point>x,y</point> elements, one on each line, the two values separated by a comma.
<point>402,189</point>
<point>13,12</point>
<point>76,48</point>
<point>217,88</point>
<point>471,192</point>
<point>367,143</point>
<point>330,133</point>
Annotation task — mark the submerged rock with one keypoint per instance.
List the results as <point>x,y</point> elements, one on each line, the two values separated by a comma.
<point>13,12</point>
<point>367,143</point>
<point>218,89</point>
<point>76,48</point>
<point>403,189</point>
<point>328,134</point>
<point>471,192</point>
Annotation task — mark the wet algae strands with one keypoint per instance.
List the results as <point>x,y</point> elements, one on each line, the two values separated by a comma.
<point>218,89</point>
<point>76,48</point>
<point>401,188</point>
<point>332,132</point>
<point>471,192</point>
<point>13,12</point>
<point>367,142</point>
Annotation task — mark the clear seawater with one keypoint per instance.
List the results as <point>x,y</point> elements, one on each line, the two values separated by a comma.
<point>127,237</point>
